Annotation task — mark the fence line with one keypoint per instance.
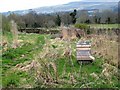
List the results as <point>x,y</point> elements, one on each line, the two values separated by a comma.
<point>58,30</point>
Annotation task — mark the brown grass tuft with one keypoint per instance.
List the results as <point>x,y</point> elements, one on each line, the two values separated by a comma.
<point>14,34</point>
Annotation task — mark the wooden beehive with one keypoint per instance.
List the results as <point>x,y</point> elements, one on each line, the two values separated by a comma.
<point>83,49</point>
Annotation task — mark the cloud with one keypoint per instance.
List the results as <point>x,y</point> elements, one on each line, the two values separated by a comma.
<point>100,0</point>
<point>11,5</point>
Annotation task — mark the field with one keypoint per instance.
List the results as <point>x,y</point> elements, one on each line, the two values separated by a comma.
<point>104,25</point>
<point>42,62</point>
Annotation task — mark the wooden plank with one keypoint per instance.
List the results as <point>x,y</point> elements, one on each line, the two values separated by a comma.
<point>78,49</point>
<point>83,58</point>
<point>83,46</point>
<point>83,53</point>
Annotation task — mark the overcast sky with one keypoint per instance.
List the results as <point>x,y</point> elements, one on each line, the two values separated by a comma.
<point>12,5</point>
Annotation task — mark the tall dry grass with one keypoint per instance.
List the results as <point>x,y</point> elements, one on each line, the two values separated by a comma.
<point>14,32</point>
<point>68,33</point>
<point>105,46</point>
<point>65,34</point>
<point>44,66</point>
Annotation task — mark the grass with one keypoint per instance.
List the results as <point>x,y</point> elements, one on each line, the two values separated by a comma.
<point>103,25</point>
<point>11,57</point>
<point>40,51</point>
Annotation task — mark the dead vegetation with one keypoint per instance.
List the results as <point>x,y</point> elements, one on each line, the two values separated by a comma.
<point>44,64</point>
<point>46,72</point>
<point>105,46</point>
<point>14,32</point>
<point>71,33</point>
<point>109,70</point>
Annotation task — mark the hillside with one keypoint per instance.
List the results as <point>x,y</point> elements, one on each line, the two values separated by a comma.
<point>69,7</point>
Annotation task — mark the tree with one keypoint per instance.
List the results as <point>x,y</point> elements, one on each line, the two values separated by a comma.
<point>58,20</point>
<point>108,16</point>
<point>108,20</point>
<point>73,14</point>
<point>82,17</point>
<point>99,20</point>
<point>95,19</point>
<point>35,25</point>
<point>87,21</point>
<point>66,18</point>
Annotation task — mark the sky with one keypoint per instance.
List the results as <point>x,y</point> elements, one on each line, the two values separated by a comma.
<point>12,5</point>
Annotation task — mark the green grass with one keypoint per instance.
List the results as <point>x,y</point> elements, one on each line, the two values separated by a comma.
<point>32,45</point>
<point>83,74</point>
<point>103,25</point>
<point>12,57</point>
<point>12,80</point>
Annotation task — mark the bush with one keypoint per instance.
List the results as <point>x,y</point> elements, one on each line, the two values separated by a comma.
<point>81,26</point>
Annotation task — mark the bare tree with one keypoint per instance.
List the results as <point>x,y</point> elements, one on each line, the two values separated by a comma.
<point>83,16</point>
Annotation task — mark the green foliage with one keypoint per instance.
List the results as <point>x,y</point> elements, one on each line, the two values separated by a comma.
<point>108,21</point>
<point>81,73</point>
<point>12,57</point>
<point>12,79</point>
<point>88,31</point>
<point>73,16</point>
<point>81,26</point>
<point>58,20</point>
<point>88,21</point>
<point>13,53</point>
<point>54,46</point>
<point>97,20</point>
<point>41,40</point>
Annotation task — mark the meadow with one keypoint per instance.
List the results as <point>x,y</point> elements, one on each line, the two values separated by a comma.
<point>41,62</point>
<point>104,25</point>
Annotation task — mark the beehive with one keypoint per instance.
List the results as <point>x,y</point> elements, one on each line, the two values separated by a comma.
<point>84,52</point>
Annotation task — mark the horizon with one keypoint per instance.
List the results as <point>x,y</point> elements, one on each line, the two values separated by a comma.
<point>7,5</point>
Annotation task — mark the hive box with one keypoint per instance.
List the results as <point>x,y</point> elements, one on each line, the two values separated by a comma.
<point>83,49</point>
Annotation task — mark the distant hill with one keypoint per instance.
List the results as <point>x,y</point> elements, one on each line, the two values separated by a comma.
<point>70,7</point>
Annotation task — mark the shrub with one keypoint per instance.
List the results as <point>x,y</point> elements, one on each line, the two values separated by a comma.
<point>81,26</point>
<point>88,31</point>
